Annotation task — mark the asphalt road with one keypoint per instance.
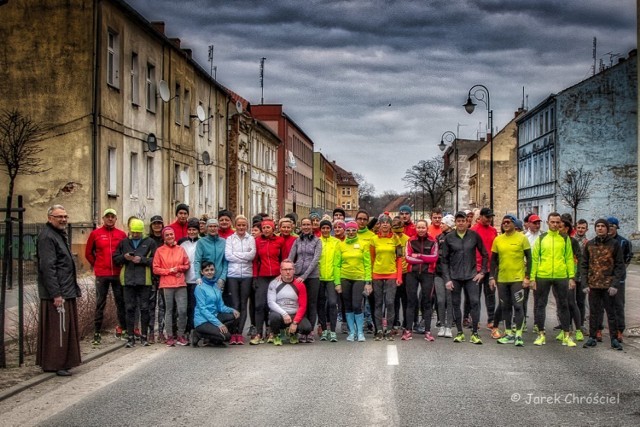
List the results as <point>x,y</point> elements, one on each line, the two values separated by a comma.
<point>328,384</point>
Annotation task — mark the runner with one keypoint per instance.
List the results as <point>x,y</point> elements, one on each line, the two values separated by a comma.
<point>398,227</point>
<point>443,295</point>
<point>352,276</point>
<point>189,244</point>
<point>327,296</point>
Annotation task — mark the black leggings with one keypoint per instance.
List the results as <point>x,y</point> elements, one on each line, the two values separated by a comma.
<point>239,290</point>
<point>329,297</point>
<point>313,287</point>
<point>543,286</point>
<point>425,280</point>
<point>261,307</point>
<point>137,297</point>
<point>511,298</point>
<point>352,296</point>
<point>212,332</point>
<point>471,290</point>
<point>277,322</point>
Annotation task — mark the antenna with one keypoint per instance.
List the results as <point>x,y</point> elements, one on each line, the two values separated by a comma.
<point>523,97</point>
<point>595,43</point>
<point>262,79</point>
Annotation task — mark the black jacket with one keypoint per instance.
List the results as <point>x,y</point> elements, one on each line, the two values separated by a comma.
<point>459,256</point>
<point>602,265</point>
<point>135,274</point>
<point>56,269</point>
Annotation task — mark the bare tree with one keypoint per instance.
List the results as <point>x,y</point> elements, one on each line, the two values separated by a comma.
<point>19,155</point>
<point>366,193</point>
<point>574,188</point>
<point>427,177</point>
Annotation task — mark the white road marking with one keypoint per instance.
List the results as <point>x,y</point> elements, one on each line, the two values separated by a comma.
<point>392,355</point>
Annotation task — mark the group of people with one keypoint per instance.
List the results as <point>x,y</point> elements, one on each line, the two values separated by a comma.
<point>203,278</point>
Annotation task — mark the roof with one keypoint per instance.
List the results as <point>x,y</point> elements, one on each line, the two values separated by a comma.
<point>345,178</point>
<point>394,205</point>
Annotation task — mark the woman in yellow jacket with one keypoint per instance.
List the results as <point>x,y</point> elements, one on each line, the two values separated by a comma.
<point>352,276</point>
<point>327,298</point>
<point>386,260</point>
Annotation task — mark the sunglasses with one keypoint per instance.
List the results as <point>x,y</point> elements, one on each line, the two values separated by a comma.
<point>506,222</point>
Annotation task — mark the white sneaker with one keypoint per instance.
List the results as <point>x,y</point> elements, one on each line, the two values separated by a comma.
<point>447,333</point>
<point>441,331</point>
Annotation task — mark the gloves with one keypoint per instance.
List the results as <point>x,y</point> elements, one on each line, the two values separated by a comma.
<point>612,291</point>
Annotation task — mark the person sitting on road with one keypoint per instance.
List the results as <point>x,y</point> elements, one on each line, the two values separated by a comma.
<point>287,298</point>
<point>212,318</point>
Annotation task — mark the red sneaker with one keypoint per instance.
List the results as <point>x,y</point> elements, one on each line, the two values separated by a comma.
<point>151,339</point>
<point>233,340</point>
<point>182,341</point>
<point>171,342</point>
<point>136,332</point>
<point>429,337</point>
<point>239,340</point>
<point>118,332</point>
<point>407,335</point>
<point>599,335</point>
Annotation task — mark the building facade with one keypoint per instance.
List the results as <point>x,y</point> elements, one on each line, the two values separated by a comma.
<point>324,184</point>
<point>347,191</point>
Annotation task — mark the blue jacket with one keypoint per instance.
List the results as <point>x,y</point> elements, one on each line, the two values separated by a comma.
<point>211,248</point>
<point>209,303</point>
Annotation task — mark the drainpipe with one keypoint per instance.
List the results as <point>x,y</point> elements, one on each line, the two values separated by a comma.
<point>95,113</point>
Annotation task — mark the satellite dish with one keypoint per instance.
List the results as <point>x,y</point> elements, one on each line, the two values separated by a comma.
<point>152,143</point>
<point>200,113</point>
<point>206,159</point>
<point>239,107</point>
<point>163,88</point>
<point>184,178</point>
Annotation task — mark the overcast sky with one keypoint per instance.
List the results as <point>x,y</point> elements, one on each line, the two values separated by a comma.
<point>376,83</point>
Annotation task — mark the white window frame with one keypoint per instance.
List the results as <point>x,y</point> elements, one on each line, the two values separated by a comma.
<point>178,105</point>
<point>187,107</point>
<point>151,87</point>
<point>135,79</point>
<point>134,167</point>
<point>113,58</point>
<point>150,168</point>
<point>112,172</point>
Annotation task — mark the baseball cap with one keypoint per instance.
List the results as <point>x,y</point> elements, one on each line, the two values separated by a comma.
<point>534,218</point>
<point>486,212</point>
<point>460,214</point>
<point>612,220</point>
<point>156,218</point>
<point>109,211</point>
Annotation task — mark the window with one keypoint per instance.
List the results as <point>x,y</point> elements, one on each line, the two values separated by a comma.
<point>201,191</point>
<point>113,59</point>
<point>200,124</point>
<point>135,82</point>
<point>210,123</point>
<point>187,108</point>
<point>150,89</point>
<point>346,191</point>
<point>185,190</point>
<point>150,177</point>
<point>208,192</point>
<point>133,176</point>
<point>178,105</point>
<point>112,171</point>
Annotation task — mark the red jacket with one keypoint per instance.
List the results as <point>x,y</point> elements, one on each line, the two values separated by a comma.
<point>166,258</point>
<point>268,256</point>
<point>410,229</point>
<point>288,244</point>
<point>487,233</point>
<point>180,230</point>
<point>225,233</point>
<point>101,246</point>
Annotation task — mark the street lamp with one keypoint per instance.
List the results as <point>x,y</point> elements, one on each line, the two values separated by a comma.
<point>452,139</point>
<point>481,93</point>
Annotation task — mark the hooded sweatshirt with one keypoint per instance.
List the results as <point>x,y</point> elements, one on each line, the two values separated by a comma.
<point>211,248</point>
<point>209,303</point>
<point>329,245</point>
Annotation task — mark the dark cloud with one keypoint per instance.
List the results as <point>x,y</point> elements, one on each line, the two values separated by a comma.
<point>337,65</point>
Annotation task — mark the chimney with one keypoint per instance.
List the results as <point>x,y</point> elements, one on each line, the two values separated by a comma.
<point>158,26</point>
<point>175,41</point>
<point>188,52</point>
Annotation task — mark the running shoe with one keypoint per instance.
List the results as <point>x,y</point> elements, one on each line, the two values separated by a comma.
<point>615,344</point>
<point>136,333</point>
<point>407,335</point>
<point>389,336</point>
<point>507,339</point>
<point>619,336</point>
<point>130,343</point>
<point>144,341</point>
<point>256,339</point>
<point>519,342</point>
<point>302,339</point>
<point>151,339</point>
<point>536,330</point>
<point>568,341</point>
<point>344,328</point>
<point>599,335</point>
<point>459,337</point>
<point>239,339</point>
<point>182,340</point>
<point>125,336</point>
<point>161,338</point>
<point>560,336</point>
<point>293,339</point>
<point>311,338</point>
<point>361,337</point>
<point>270,338</point>
<point>351,337</point>
<point>233,340</point>
<point>194,338</point>
<point>171,342</point>
<point>333,337</point>
<point>325,335</point>
<point>97,339</point>
<point>490,326</point>
<point>277,340</point>
<point>118,332</point>
<point>495,333</point>
<point>475,338</point>
<point>541,340</point>
<point>379,336</point>
<point>448,333</point>
<point>591,342</point>
<point>429,337</point>
<point>253,331</point>
<point>579,335</point>
<point>441,331</point>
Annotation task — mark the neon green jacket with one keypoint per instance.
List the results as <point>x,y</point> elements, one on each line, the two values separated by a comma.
<point>552,257</point>
<point>352,261</point>
<point>327,258</point>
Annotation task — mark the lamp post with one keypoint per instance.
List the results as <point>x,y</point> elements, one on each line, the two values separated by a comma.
<point>452,139</point>
<point>481,93</point>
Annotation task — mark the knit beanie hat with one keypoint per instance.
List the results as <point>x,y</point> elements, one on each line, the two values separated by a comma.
<point>339,222</point>
<point>182,207</point>
<point>404,208</point>
<point>449,221</point>
<point>325,222</point>
<point>193,223</point>
<point>226,213</point>
<point>136,226</point>
<point>602,221</point>
<point>212,221</point>
<point>351,224</point>
<point>166,230</point>
<point>339,210</point>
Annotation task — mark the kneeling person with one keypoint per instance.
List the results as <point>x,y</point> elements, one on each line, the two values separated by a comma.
<point>212,318</point>
<point>287,298</point>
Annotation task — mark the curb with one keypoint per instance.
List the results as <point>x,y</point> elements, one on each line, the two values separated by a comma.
<point>18,388</point>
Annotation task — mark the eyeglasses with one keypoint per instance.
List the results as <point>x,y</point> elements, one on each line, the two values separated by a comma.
<point>362,219</point>
<point>60,216</point>
<point>506,222</point>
